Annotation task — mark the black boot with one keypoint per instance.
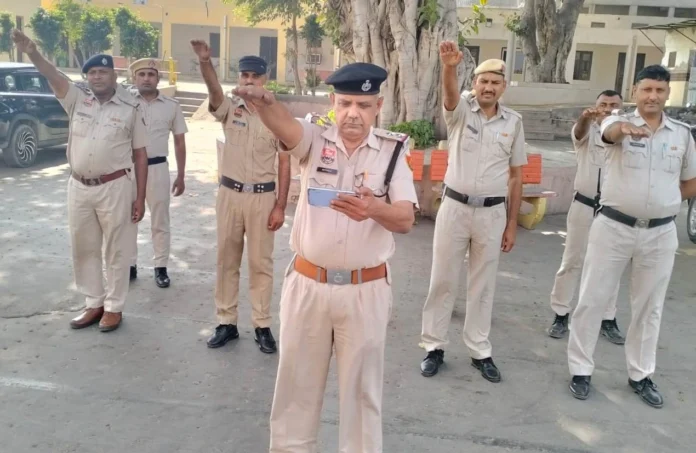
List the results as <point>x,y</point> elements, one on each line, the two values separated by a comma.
<point>647,390</point>
<point>559,327</point>
<point>580,387</point>
<point>133,272</point>
<point>488,369</point>
<point>223,334</point>
<point>161,277</point>
<point>611,331</point>
<point>265,339</point>
<point>431,364</point>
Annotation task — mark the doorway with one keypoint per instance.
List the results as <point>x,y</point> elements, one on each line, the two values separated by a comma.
<point>621,68</point>
<point>268,50</point>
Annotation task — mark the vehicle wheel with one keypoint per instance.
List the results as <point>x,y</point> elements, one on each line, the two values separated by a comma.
<point>691,220</point>
<point>23,147</point>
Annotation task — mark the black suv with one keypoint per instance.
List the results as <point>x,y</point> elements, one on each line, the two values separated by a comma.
<point>30,115</point>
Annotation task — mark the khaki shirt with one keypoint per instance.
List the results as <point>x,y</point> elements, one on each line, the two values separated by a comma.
<point>643,176</point>
<point>102,136</point>
<point>162,116</point>
<point>590,154</point>
<point>250,149</point>
<point>326,237</point>
<point>482,150</point>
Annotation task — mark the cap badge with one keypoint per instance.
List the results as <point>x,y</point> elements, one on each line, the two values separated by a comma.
<point>366,86</point>
<point>104,61</point>
<point>152,63</point>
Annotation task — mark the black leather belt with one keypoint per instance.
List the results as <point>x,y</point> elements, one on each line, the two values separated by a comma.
<point>587,201</point>
<point>247,188</point>
<point>156,160</point>
<point>620,217</point>
<point>476,202</point>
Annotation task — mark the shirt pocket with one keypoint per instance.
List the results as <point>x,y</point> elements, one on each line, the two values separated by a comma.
<point>672,159</point>
<point>375,182</point>
<point>235,135</point>
<point>635,155</point>
<point>114,130</point>
<point>160,126</point>
<point>469,141</point>
<point>323,179</point>
<point>80,126</point>
<point>502,145</point>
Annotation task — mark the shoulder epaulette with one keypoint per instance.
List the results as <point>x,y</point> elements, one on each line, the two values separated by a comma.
<point>680,123</point>
<point>512,112</point>
<point>82,86</point>
<point>389,135</point>
<point>169,98</point>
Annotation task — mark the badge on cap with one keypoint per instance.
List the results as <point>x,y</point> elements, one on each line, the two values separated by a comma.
<point>366,86</point>
<point>104,62</point>
<point>152,63</point>
<point>328,156</point>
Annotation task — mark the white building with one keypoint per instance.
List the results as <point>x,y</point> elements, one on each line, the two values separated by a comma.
<point>609,34</point>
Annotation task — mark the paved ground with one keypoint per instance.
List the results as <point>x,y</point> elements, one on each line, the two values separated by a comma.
<point>153,386</point>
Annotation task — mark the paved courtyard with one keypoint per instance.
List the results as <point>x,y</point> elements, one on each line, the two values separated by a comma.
<point>153,385</point>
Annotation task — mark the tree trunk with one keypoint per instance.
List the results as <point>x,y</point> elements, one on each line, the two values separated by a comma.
<point>547,36</point>
<point>386,33</point>
<point>295,57</point>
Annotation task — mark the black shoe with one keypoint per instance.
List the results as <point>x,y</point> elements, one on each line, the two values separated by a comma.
<point>133,272</point>
<point>431,363</point>
<point>223,334</point>
<point>161,277</point>
<point>580,387</point>
<point>488,369</point>
<point>559,327</point>
<point>647,390</point>
<point>611,331</point>
<point>265,340</point>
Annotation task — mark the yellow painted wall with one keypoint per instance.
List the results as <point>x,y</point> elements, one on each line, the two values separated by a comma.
<point>21,8</point>
<point>682,45</point>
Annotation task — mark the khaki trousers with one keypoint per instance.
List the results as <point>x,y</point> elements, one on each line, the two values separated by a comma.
<point>101,216</point>
<point>579,222</point>
<point>459,229</point>
<point>611,247</point>
<point>240,214</point>
<point>314,317</point>
<point>157,198</point>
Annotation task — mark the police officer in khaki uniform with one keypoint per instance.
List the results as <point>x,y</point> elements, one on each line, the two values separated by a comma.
<point>107,134</point>
<point>247,204</point>
<point>337,289</point>
<point>589,152</point>
<point>163,115</point>
<point>651,168</point>
<point>484,176</point>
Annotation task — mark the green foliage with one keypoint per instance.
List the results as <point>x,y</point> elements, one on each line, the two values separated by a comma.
<point>97,31</point>
<point>331,23</point>
<point>312,31</point>
<point>471,23</point>
<point>138,37</point>
<point>268,10</point>
<point>513,22</point>
<point>428,14</point>
<point>48,29</point>
<point>6,26</point>
<point>275,87</point>
<point>422,132</point>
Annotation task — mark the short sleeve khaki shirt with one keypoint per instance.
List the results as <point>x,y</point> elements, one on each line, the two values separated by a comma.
<point>250,152</point>
<point>643,176</point>
<point>590,155</point>
<point>482,150</point>
<point>162,116</point>
<point>326,237</point>
<point>102,136</point>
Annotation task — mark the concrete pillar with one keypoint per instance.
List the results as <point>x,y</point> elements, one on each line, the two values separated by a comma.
<point>281,73</point>
<point>166,38</point>
<point>510,57</point>
<point>224,69</point>
<point>630,68</point>
<point>570,64</point>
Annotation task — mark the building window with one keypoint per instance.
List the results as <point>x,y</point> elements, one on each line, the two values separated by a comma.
<point>215,45</point>
<point>672,60</point>
<point>475,52</point>
<point>597,25</point>
<point>583,65</point>
<point>685,13</point>
<point>518,66</point>
<point>638,25</point>
<point>313,58</point>
<point>614,10</point>
<point>653,11</point>
<point>585,10</point>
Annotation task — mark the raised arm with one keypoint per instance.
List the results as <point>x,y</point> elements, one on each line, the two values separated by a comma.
<point>451,56</point>
<point>582,126</point>
<point>614,129</point>
<point>59,84</point>
<point>215,92</point>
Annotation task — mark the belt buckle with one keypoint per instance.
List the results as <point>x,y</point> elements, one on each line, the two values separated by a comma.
<point>338,277</point>
<point>476,202</point>
<point>642,223</point>
<point>89,182</point>
<point>247,188</point>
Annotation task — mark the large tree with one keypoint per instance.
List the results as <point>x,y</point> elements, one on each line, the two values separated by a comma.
<point>546,33</point>
<point>48,29</point>
<point>313,34</point>
<point>402,36</point>
<point>138,37</point>
<point>288,12</point>
<point>6,26</point>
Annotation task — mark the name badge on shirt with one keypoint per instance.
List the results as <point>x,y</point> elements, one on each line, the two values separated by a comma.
<point>83,114</point>
<point>331,171</point>
<point>471,128</point>
<point>238,123</point>
<point>637,144</point>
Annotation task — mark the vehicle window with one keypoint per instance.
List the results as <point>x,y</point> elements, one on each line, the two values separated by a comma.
<point>29,83</point>
<point>10,83</point>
